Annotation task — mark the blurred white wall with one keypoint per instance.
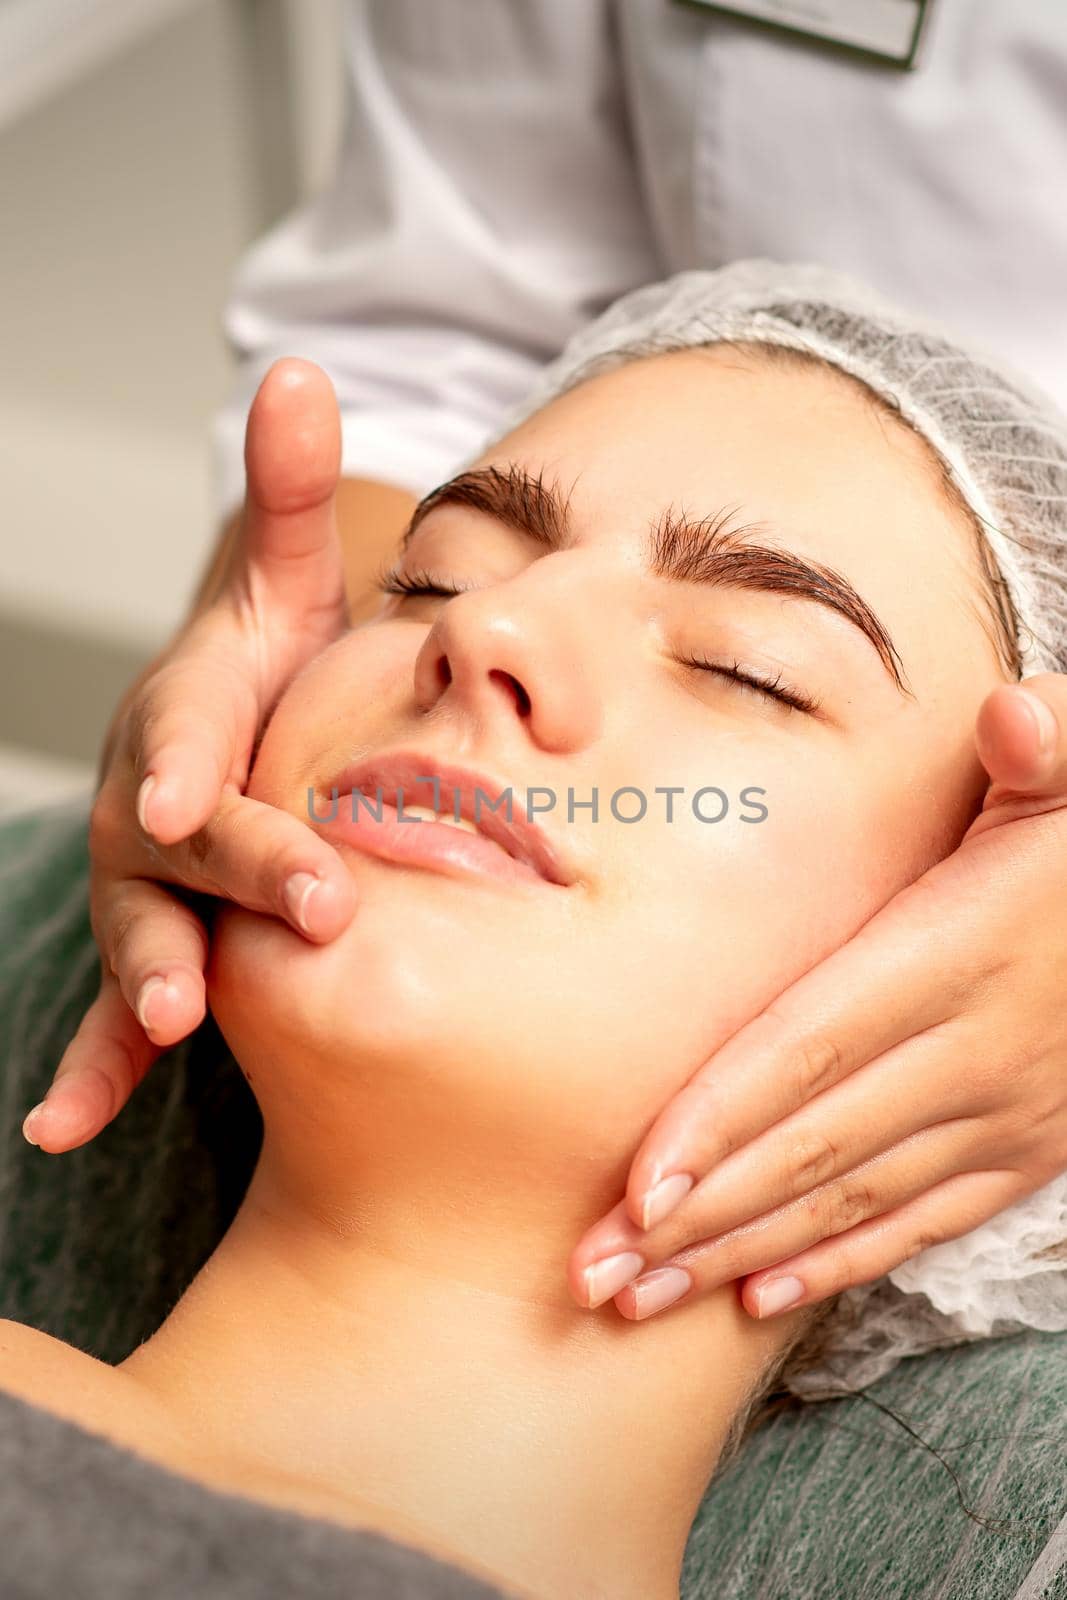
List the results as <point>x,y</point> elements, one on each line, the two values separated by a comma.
<point>133,172</point>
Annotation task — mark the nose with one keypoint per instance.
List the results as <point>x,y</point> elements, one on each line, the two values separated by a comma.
<point>515,651</point>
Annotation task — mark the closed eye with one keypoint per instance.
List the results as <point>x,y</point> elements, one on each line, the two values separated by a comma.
<point>423,583</point>
<point>415,583</point>
<point>771,688</point>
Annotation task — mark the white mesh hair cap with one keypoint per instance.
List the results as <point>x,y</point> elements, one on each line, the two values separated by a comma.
<point>1005,445</point>
<point>1004,442</point>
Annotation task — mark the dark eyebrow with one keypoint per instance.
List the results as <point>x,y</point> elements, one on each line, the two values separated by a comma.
<point>529,505</point>
<point>710,551</point>
<point>706,550</point>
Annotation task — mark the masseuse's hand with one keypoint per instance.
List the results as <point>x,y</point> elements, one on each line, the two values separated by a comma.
<point>169,810</point>
<point>896,1096</point>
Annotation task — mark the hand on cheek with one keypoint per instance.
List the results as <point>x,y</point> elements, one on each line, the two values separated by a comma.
<point>896,1096</point>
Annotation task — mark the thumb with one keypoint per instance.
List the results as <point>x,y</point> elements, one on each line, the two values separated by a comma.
<point>288,542</point>
<point>1021,737</point>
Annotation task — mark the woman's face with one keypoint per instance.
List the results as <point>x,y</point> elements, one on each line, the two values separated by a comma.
<point>566,665</point>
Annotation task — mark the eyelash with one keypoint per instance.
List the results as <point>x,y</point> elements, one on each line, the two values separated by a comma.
<point>773,688</point>
<point>421,583</point>
<point>417,583</point>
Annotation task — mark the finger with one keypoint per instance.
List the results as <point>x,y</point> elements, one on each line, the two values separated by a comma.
<point>915,1086</point>
<point>878,1246</point>
<point>188,733</point>
<point>270,861</point>
<point>157,948</point>
<point>893,1175</point>
<point>288,537</point>
<point>99,1070</point>
<point>1021,735</point>
<point>885,985</point>
<point>195,726</point>
<point>921,1166</point>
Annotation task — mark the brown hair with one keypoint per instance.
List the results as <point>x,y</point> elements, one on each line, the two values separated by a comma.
<point>769,1395</point>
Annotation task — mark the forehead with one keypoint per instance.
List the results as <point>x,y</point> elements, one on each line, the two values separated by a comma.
<point>799,446</point>
<point>800,451</point>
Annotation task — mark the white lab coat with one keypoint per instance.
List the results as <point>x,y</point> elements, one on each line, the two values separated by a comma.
<point>509,167</point>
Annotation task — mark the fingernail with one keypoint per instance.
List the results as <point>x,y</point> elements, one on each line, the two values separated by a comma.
<point>28,1121</point>
<point>661,1201</point>
<point>1047,731</point>
<point>661,1288</point>
<point>298,891</point>
<point>143,795</point>
<point>607,1277</point>
<point>147,990</point>
<point>776,1296</point>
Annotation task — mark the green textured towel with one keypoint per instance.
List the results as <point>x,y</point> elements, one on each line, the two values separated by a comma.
<point>836,1501</point>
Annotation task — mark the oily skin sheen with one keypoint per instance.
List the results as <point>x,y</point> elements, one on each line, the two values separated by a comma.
<point>453,1089</point>
<point>602,998</point>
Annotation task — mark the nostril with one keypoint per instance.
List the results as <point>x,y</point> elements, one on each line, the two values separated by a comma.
<point>512,683</point>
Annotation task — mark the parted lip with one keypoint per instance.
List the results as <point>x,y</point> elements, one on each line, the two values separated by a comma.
<point>412,774</point>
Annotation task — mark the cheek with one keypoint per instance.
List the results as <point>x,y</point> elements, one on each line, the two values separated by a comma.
<point>343,703</point>
<point>732,913</point>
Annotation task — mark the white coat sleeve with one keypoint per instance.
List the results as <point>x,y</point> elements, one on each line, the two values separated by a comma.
<point>484,206</point>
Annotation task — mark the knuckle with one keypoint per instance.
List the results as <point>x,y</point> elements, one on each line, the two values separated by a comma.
<point>816,1159</point>
<point>993,1081</point>
<point>218,841</point>
<point>1021,1128</point>
<point>924,1239</point>
<point>817,1063</point>
<point>852,1202</point>
<point>119,934</point>
<point>1014,1072</point>
<point>986,1088</point>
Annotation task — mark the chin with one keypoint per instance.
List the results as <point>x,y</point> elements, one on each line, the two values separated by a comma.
<point>413,1017</point>
<point>400,985</point>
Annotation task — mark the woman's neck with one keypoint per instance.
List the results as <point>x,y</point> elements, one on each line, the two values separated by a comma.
<point>408,1342</point>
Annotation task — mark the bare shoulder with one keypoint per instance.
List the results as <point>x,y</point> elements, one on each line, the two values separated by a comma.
<point>49,1373</point>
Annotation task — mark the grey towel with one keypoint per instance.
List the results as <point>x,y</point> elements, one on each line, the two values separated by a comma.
<point>80,1516</point>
